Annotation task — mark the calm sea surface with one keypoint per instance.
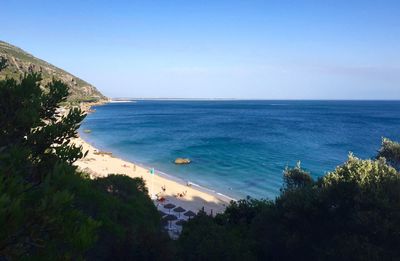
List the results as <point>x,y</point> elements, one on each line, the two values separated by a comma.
<point>240,148</point>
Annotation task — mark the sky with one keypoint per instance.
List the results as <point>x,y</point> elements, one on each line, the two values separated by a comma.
<point>244,49</point>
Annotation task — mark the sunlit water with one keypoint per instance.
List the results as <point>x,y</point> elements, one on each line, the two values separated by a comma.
<point>240,148</point>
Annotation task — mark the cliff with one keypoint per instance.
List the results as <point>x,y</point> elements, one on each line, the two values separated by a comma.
<point>20,62</point>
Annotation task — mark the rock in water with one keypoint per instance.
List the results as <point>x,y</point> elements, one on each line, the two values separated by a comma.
<point>182,161</point>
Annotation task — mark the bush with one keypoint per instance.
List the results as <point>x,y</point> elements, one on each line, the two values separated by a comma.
<point>353,213</point>
<point>390,150</point>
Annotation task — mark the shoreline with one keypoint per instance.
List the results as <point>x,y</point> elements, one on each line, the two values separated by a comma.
<point>221,196</point>
<point>195,196</point>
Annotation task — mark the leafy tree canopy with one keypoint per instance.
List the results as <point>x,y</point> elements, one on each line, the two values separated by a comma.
<point>390,150</point>
<point>352,213</point>
<point>48,209</point>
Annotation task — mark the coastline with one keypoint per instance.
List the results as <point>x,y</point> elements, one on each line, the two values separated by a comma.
<point>195,197</point>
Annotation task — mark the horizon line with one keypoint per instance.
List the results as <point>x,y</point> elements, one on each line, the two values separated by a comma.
<point>241,99</point>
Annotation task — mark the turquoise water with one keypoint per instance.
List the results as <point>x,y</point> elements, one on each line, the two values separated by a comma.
<point>240,148</point>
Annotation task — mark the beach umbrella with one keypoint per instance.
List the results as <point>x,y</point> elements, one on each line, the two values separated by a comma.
<point>170,218</point>
<point>190,214</point>
<point>180,222</point>
<point>179,210</point>
<point>169,206</point>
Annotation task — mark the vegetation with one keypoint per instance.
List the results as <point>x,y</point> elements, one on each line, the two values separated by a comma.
<point>50,210</point>
<point>390,150</point>
<point>352,213</point>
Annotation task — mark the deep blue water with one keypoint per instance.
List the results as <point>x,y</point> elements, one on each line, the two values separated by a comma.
<point>240,148</point>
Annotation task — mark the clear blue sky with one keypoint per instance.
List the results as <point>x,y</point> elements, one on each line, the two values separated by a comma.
<point>217,49</point>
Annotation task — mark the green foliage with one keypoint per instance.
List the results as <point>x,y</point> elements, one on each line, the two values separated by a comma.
<point>35,152</point>
<point>36,222</point>
<point>353,213</point>
<point>131,223</point>
<point>29,119</point>
<point>203,238</point>
<point>48,210</point>
<point>390,150</point>
<point>295,178</point>
<point>242,212</point>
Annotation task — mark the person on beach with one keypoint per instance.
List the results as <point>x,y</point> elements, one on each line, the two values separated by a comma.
<point>163,188</point>
<point>181,195</point>
<point>134,167</point>
<point>160,197</point>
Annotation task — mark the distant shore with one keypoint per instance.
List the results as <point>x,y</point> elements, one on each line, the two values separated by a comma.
<point>189,195</point>
<point>120,101</point>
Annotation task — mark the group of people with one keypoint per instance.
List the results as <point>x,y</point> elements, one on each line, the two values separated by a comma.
<point>126,166</point>
<point>181,195</point>
<point>159,195</point>
<point>161,198</point>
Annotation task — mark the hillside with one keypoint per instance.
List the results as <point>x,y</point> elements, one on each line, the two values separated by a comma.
<point>20,62</point>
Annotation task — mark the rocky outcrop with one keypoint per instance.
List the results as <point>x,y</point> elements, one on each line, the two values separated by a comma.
<point>20,62</point>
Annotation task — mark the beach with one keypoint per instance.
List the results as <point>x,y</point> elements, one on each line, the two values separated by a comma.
<point>186,195</point>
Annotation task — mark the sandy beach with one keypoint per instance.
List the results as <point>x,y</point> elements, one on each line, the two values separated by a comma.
<point>192,198</point>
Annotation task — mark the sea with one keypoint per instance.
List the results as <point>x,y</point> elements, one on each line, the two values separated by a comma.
<point>240,148</point>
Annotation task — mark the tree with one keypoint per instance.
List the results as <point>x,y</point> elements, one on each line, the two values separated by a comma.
<point>296,178</point>
<point>50,210</point>
<point>131,228</point>
<point>29,119</point>
<point>35,152</point>
<point>352,213</point>
<point>204,238</point>
<point>390,150</point>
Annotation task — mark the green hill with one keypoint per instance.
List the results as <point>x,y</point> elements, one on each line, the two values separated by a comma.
<point>20,62</point>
